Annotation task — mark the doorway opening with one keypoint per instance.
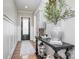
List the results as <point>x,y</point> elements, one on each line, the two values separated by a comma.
<point>25,28</point>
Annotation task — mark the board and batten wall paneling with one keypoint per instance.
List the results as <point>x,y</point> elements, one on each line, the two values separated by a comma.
<point>5,40</point>
<point>9,37</point>
<point>9,28</point>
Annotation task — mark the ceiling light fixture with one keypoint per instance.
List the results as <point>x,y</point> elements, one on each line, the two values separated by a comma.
<point>26,6</point>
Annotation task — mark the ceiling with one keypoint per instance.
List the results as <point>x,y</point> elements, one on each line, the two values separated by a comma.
<point>32,4</point>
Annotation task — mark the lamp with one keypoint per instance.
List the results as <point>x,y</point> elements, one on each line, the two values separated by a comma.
<point>42,28</point>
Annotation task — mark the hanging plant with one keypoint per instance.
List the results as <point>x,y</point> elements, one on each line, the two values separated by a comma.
<point>54,12</point>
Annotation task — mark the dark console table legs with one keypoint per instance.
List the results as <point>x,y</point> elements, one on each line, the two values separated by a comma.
<point>37,47</point>
<point>67,53</point>
<point>56,56</point>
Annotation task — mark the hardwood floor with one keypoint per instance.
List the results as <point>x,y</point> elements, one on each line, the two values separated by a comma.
<point>16,54</point>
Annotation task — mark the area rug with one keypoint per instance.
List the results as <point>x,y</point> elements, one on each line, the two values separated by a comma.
<point>26,49</point>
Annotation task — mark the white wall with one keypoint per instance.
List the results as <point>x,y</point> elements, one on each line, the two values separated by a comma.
<point>26,14</point>
<point>9,28</point>
<point>9,9</point>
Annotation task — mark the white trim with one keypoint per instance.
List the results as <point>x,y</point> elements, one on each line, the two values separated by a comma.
<point>22,11</point>
<point>11,53</point>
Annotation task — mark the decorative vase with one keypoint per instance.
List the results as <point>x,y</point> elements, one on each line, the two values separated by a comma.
<point>55,32</point>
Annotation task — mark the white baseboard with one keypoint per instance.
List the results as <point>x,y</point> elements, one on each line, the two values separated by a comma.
<point>11,53</point>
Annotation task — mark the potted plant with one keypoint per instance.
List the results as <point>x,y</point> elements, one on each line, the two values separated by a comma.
<point>55,11</point>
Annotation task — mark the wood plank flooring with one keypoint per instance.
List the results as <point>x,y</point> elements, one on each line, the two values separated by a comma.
<point>16,54</point>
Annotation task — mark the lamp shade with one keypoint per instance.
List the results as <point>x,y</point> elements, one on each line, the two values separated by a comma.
<point>42,25</point>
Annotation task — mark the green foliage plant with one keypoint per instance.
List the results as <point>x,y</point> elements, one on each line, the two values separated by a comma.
<point>53,13</point>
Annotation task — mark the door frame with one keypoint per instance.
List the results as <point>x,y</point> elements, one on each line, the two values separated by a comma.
<point>22,27</point>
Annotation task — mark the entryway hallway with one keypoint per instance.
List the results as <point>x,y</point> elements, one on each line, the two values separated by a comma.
<point>24,50</point>
<point>23,20</point>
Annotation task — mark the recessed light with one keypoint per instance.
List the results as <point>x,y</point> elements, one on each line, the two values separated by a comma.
<point>26,6</point>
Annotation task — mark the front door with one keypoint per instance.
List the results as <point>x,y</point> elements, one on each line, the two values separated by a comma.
<point>25,28</point>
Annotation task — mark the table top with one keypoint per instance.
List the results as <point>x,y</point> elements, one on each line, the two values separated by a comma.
<point>56,46</point>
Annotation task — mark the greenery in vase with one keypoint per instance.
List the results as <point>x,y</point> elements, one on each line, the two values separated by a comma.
<point>54,12</point>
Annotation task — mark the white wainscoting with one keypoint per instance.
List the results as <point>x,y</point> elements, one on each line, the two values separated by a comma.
<point>9,37</point>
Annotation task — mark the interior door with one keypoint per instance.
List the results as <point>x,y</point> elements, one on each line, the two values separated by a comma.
<point>25,28</point>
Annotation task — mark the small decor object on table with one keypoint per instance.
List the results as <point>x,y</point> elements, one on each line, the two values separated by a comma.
<point>56,42</point>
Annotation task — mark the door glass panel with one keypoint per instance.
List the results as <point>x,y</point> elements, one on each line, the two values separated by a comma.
<point>25,25</point>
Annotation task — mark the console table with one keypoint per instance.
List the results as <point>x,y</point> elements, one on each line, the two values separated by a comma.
<point>55,47</point>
